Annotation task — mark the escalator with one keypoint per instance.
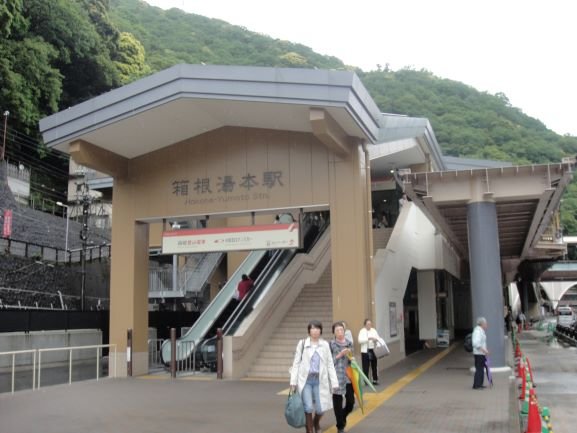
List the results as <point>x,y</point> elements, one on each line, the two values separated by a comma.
<point>264,268</point>
<point>313,229</point>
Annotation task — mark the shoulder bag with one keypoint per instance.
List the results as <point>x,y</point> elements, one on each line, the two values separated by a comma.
<point>294,411</point>
<point>381,350</point>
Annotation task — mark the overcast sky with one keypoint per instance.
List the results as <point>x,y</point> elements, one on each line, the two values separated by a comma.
<point>525,49</point>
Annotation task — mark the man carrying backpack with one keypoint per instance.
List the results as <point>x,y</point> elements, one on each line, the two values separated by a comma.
<point>480,352</point>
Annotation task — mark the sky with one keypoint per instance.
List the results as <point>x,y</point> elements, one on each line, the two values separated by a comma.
<point>524,49</point>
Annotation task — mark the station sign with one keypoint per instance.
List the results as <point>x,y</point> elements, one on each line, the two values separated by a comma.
<point>222,239</point>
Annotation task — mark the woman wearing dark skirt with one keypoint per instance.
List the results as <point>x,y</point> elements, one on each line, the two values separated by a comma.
<point>341,348</point>
<point>368,339</point>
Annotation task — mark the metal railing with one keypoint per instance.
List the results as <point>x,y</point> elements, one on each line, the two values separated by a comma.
<point>98,348</point>
<point>37,365</point>
<point>23,299</point>
<point>51,254</point>
<point>154,352</point>
<point>13,354</point>
<point>17,171</point>
<point>185,364</point>
<point>190,278</point>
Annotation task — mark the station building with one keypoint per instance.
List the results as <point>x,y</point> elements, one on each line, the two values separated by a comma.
<point>227,147</point>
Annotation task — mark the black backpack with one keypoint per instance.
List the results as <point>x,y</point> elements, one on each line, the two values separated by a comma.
<point>468,344</point>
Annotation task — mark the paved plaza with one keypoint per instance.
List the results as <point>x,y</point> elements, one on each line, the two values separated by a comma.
<point>428,391</point>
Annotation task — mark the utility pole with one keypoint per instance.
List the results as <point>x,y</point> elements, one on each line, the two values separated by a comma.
<point>85,200</point>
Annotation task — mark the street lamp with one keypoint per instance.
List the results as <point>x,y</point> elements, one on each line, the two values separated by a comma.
<point>59,203</point>
<point>6,114</point>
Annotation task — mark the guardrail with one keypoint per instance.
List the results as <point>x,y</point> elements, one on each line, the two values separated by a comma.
<point>567,333</point>
<point>70,349</point>
<point>37,366</point>
<point>13,366</point>
<point>154,352</point>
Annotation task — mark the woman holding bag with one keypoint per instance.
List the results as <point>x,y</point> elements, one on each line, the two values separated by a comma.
<point>369,339</point>
<point>313,374</point>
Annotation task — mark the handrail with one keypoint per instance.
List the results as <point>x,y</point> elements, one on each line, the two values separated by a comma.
<point>217,306</point>
<point>264,277</point>
<point>21,352</point>
<point>254,296</point>
<point>70,349</point>
<point>278,263</point>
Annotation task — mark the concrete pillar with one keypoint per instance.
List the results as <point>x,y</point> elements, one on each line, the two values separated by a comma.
<point>524,295</point>
<point>485,266</point>
<point>427,302</point>
<point>351,238</point>
<point>128,283</point>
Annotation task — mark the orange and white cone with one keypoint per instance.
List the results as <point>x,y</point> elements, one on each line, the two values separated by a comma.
<point>534,417</point>
<point>523,383</point>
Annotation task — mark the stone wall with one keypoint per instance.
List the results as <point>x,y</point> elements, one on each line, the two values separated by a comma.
<point>41,228</point>
<point>32,281</point>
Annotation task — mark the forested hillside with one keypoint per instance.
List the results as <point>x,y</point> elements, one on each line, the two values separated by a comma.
<point>60,52</point>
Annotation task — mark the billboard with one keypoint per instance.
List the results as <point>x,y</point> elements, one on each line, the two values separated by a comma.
<point>243,238</point>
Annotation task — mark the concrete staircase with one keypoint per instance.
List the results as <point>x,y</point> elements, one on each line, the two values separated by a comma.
<point>315,302</point>
<point>381,238</point>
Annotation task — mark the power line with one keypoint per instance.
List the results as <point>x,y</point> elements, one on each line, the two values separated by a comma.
<point>34,147</point>
<point>35,156</point>
<point>32,141</point>
<point>39,163</point>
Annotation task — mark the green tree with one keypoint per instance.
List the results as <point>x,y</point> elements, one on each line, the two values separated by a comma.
<point>11,18</point>
<point>130,58</point>
<point>83,58</point>
<point>29,86</point>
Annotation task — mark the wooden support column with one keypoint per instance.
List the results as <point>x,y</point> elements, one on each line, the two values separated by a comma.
<point>129,282</point>
<point>351,238</point>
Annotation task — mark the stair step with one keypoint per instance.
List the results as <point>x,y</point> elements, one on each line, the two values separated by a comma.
<point>314,302</point>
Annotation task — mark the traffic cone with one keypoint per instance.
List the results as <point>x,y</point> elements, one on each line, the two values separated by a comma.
<point>523,377</point>
<point>518,356</point>
<point>525,404</point>
<point>520,368</point>
<point>534,417</point>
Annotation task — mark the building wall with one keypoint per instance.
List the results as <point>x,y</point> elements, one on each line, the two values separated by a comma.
<point>228,170</point>
<point>414,243</point>
<point>224,173</point>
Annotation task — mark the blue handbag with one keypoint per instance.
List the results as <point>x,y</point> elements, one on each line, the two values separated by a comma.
<point>294,410</point>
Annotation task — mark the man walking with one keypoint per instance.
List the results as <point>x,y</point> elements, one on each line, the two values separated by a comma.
<point>480,352</point>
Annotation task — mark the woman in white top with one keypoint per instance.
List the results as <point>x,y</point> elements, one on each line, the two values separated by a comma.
<point>368,339</point>
<point>313,373</point>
